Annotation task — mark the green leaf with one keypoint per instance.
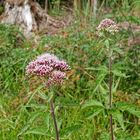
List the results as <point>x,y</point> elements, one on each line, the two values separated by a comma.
<point>37,106</point>
<point>103,89</point>
<point>104,136</point>
<point>38,131</point>
<point>63,101</point>
<point>94,112</point>
<point>131,108</point>
<point>118,73</point>
<point>119,117</point>
<point>118,50</point>
<point>116,84</point>
<point>71,129</point>
<point>28,124</point>
<point>100,68</point>
<point>43,96</point>
<point>47,120</point>
<point>107,43</point>
<point>92,103</point>
<point>135,111</point>
<point>99,80</point>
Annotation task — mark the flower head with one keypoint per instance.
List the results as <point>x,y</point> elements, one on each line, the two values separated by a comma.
<point>108,25</point>
<point>50,67</point>
<point>56,78</point>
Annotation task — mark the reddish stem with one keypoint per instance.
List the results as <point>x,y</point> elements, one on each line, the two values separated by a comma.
<point>110,96</point>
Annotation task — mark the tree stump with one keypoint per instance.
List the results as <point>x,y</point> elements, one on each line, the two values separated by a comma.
<point>28,15</point>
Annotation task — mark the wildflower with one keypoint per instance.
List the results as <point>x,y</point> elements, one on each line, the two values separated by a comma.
<point>50,67</point>
<point>108,25</point>
<point>56,78</point>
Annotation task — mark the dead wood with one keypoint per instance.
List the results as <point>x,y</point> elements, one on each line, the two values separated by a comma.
<point>28,15</point>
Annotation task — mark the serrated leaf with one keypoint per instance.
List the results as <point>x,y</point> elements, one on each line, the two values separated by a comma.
<point>119,117</point>
<point>101,68</point>
<point>37,106</point>
<point>47,120</point>
<point>119,73</point>
<point>135,111</point>
<point>103,90</point>
<point>118,50</point>
<point>99,81</point>
<point>131,108</point>
<point>104,136</point>
<point>66,102</point>
<point>116,84</point>
<point>38,131</point>
<point>92,103</point>
<point>70,130</point>
<point>43,96</point>
<point>90,114</point>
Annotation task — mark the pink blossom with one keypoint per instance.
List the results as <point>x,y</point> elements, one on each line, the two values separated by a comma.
<point>56,78</point>
<point>108,25</point>
<point>42,70</point>
<point>50,67</point>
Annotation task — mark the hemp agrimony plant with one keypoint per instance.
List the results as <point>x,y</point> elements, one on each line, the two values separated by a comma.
<point>53,72</point>
<point>106,30</point>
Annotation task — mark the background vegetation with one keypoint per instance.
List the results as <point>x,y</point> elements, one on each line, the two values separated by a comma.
<point>81,103</point>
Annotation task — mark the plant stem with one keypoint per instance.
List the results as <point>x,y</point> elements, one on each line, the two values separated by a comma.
<point>111,127</point>
<point>110,94</point>
<point>54,118</point>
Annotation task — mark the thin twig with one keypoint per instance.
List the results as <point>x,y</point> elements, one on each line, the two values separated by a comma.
<point>110,94</point>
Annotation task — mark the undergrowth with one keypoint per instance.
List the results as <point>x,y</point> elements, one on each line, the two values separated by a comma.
<point>25,115</point>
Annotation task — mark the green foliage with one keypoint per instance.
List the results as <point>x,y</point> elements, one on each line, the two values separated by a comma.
<point>13,59</point>
<point>133,63</point>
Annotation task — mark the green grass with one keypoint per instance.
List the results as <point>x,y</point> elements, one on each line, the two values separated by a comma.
<point>25,115</point>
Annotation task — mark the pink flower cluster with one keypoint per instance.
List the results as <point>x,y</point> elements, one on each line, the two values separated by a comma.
<point>56,77</point>
<point>108,25</point>
<point>48,66</point>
